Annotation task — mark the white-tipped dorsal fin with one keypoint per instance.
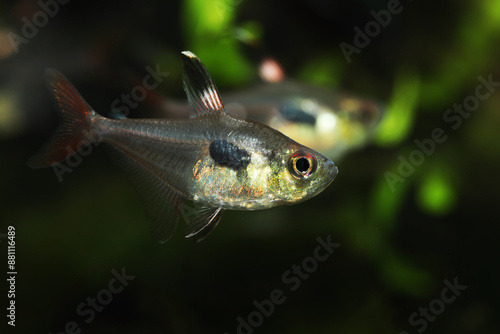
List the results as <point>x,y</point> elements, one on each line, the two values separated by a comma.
<point>202,94</point>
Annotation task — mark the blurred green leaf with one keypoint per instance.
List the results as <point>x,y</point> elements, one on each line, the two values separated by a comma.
<point>404,277</point>
<point>400,113</point>
<point>210,33</point>
<point>436,192</point>
<point>323,69</point>
<point>468,56</point>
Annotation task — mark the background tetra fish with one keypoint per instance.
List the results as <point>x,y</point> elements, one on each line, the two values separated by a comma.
<point>328,121</point>
<point>214,159</point>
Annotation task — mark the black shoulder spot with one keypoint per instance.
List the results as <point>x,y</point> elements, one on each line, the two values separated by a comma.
<point>229,155</point>
<point>296,114</point>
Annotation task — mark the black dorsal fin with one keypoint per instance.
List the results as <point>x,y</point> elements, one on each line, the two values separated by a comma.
<point>202,94</point>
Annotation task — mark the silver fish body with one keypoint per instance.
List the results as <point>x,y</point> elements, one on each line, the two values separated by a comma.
<point>178,153</point>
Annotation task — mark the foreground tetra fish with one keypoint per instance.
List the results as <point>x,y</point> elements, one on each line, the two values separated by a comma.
<point>217,160</point>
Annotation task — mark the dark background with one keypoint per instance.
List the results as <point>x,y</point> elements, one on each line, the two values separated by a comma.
<point>397,246</point>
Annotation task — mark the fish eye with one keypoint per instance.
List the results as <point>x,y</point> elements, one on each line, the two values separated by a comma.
<point>368,113</point>
<point>302,164</point>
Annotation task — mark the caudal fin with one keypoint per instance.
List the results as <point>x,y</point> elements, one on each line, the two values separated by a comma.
<point>75,120</point>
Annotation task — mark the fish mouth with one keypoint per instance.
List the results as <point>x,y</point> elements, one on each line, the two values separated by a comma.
<point>332,170</point>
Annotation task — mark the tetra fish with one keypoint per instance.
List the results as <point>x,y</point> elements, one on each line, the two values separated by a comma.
<point>219,161</point>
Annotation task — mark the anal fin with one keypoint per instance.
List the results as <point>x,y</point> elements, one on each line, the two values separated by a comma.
<point>163,204</point>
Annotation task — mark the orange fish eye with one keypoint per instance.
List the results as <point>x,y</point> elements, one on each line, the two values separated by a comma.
<point>302,164</point>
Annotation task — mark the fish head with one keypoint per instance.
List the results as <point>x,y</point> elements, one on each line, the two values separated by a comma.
<point>300,173</point>
<point>363,113</point>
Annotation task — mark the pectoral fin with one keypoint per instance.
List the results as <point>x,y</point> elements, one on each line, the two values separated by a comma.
<point>201,222</point>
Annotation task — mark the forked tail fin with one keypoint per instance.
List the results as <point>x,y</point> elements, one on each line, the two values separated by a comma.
<point>75,122</point>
